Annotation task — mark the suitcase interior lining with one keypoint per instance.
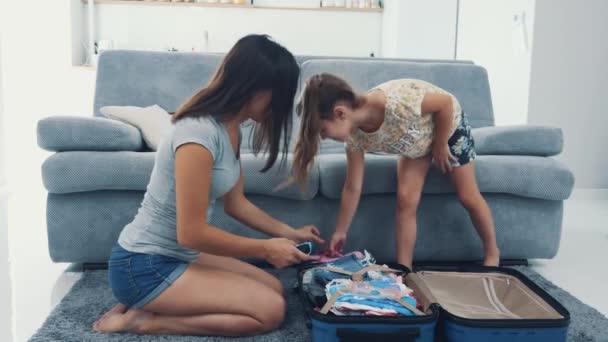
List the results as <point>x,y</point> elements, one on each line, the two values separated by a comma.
<point>479,295</point>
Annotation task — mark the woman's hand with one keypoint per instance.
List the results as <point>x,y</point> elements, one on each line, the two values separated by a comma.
<point>442,156</point>
<point>281,253</point>
<point>305,233</point>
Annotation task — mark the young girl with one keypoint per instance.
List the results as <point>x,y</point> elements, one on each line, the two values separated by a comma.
<point>414,119</point>
<point>171,270</point>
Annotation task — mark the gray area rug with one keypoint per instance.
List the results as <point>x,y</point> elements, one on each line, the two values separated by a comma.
<point>90,298</point>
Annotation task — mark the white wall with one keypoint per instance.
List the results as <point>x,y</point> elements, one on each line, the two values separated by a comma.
<point>6,316</point>
<point>303,32</point>
<point>568,83</point>
<point>38,81</point>
<point>489,35</point>
<point>419,29</point>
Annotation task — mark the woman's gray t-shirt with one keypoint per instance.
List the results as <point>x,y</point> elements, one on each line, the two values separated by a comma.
<point>153,230</point>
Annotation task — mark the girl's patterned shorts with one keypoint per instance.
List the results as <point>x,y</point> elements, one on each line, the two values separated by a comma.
<point>461,143</point>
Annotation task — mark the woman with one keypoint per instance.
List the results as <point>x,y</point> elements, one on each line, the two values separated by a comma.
<point>171,271</point>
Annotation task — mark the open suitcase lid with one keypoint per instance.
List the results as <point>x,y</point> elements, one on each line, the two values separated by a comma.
<point>486,296</point>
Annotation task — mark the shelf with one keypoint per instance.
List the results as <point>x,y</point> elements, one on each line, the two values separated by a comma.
<point>84,67</point>
<point>220,5</point>
<point>169,3</point>
<point>333,9</point>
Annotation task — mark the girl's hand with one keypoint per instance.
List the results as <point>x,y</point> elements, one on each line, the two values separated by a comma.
<point>281,252</point>
<point>442,156</point>
<point>336,244</point>
<point>306,233</point>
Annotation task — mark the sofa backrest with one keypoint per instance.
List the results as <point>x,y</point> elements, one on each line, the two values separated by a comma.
<point>468,82</point>
<point>145,78</point>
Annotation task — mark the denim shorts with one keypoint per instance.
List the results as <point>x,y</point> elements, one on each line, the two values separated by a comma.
<point>136,278</point>
<point>461,143</point>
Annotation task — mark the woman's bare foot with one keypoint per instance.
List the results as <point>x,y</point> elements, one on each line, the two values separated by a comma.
<point>492,258</point>
<point>119,319</point>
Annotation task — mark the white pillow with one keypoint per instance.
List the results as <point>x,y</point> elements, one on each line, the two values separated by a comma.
<point>153,121</point>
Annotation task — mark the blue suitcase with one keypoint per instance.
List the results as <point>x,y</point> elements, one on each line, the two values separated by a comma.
<point>331,328</point>
<point>509,292</point>
<point>432,285</point>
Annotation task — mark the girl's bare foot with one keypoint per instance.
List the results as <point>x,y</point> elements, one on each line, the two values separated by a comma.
<point>492,258</point>
<point>119,319</point>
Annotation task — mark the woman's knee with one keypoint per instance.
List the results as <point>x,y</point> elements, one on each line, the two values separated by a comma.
<point>276,285</point>
<point>272,313</point>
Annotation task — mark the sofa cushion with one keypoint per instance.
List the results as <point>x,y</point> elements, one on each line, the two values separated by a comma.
<point>266,183</point>
<point>76,133</point>
<point>526,176</point>
<point>518,140</point>
<point>69,172</point>
<point>146,78</point>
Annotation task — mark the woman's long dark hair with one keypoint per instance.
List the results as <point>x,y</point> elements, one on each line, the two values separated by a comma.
<point>254,64</point>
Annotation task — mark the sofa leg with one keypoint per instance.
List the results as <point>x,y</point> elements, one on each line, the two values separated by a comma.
<point>94,266</point>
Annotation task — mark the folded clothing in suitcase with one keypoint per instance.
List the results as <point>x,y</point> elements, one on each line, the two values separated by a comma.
<point>330,323</point>
<point>456,304</point>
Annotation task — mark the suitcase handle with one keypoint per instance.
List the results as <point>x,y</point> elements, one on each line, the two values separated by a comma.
<point>355,335</point>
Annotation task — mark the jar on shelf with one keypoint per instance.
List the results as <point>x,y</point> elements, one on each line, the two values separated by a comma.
<point>328,3</point>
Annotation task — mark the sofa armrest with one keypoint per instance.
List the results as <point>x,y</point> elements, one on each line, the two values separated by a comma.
<point>518,140</point>
<point>74,133</point>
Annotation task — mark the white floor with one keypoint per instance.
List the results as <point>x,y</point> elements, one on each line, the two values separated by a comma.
<point>581,267</point>
<point>39,284</point>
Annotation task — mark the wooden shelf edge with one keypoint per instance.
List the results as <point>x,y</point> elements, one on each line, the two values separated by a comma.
<point>220,5</point>
<point>332,9</point>
<point>84,67</point>
<point>169,3</point>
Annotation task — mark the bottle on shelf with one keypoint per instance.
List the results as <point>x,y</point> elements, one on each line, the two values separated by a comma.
<point>328,3</point>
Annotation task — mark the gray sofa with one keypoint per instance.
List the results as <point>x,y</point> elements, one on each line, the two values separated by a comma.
<point>97,177</point>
